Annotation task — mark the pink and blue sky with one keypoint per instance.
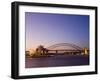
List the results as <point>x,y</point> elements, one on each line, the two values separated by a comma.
<point>47,29</point>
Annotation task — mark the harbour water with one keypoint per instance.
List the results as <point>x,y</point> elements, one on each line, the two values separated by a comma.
<point>58,60</point>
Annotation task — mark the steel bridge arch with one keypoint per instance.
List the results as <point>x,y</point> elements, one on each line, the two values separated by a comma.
<point>65,44</point>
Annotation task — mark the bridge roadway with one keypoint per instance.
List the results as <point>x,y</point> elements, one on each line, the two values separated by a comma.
<point>65,51</point>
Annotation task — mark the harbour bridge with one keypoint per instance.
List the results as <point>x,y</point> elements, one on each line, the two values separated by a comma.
<point>55,49</point>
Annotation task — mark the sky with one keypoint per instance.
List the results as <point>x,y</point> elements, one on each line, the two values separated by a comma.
<point>48,29</point>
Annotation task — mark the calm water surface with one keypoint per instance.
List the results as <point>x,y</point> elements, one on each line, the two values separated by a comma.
<point>54,61</point>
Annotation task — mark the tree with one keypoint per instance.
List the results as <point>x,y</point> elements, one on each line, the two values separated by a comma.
<point>41,50</point>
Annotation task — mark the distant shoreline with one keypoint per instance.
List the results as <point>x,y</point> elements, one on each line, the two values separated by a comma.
<point>52,56</point>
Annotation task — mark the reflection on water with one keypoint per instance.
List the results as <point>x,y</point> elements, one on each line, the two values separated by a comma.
<point>54,61</point>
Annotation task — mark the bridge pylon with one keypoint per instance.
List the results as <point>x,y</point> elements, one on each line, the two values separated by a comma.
<point>85,51</point>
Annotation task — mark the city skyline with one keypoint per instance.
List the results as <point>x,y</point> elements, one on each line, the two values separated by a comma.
<point>48,29</point>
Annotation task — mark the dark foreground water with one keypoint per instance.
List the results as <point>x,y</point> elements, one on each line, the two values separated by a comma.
<point>54,61</point>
